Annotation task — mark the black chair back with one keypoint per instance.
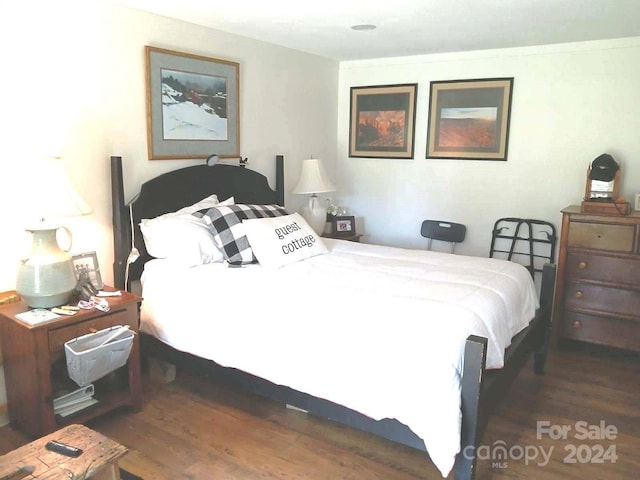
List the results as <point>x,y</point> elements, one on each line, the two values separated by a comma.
<point>443,231</point>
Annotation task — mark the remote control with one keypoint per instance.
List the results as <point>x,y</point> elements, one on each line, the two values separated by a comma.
<point>63,448</point>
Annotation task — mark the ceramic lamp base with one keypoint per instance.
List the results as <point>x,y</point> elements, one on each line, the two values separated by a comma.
<point>315,214</point>
<point>47,278</point>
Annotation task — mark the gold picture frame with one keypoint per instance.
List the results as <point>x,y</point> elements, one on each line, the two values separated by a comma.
<point>469,119</point>
<point>382,123</point>
<point>193,106</point>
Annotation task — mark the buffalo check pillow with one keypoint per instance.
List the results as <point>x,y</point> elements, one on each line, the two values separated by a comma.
<point>228,232</point>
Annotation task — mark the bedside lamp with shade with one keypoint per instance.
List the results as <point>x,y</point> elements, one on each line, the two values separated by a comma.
<point>313,181</point>
<point>47,279</point>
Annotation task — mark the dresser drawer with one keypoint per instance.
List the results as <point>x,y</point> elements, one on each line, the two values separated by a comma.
<point>616,300</point>
<point>59,336</point>
<point>584,266</point>
<point>602,330</point>
<point>601,236</point>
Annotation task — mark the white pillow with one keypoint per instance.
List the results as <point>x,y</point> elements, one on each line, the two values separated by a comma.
<point>205,203</point>
<point>280,241</point>
<point>184,239</point>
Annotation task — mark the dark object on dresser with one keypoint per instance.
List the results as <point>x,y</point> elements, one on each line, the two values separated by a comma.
<point>481,390</point>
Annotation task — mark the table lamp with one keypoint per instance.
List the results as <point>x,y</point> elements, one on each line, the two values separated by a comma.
<point>47,279</point>
<point>313,181</point>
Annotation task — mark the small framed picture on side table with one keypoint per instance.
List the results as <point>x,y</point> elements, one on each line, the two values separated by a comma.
<point>86,264</point>
<point>343,225</point>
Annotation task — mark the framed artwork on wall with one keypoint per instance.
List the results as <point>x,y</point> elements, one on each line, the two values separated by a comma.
<point>382,121</point>
<point>469,119</point>
<point>192,106</point>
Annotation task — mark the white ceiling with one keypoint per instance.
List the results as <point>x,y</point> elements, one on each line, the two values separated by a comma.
<point>406,27</point>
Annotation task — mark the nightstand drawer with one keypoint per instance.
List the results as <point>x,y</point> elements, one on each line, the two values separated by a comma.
<point>601,236</point>
<point>59,336</point>
<point>602,330</point>
<point>582,266</point>
<point>583,296</point>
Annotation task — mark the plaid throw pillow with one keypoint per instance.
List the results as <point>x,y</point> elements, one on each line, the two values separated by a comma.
<point>228,232</point>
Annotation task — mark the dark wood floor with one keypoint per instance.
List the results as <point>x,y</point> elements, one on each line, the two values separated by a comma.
<point>194,428</point>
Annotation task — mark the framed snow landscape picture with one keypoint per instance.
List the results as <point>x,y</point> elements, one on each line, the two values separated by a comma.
<point>192,106</point>
<point>469,119</point>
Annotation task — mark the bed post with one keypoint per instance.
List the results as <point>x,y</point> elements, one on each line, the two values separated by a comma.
<point>280,180</point>
<point>547,288</point>
<point>475,360</point>
<point>120,244</point>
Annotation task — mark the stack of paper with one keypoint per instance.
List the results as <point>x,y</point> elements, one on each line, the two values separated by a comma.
<point>36,316</point>
<point>75,401</point>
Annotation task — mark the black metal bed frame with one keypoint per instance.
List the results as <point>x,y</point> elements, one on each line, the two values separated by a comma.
<point>524,240</point>
<point>481,389</point>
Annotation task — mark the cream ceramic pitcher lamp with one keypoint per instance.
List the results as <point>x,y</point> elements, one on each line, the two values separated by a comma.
<point>47,278</point>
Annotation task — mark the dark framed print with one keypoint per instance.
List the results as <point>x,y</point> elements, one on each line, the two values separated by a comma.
<point>192,106</point>
<point>343,225</point>
<point>469,119</point>
<point>382,122</point>
<point>85,265</point>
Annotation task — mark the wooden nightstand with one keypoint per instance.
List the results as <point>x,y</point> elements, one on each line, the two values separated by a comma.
<point>35,365</point>
<point>351,237</point>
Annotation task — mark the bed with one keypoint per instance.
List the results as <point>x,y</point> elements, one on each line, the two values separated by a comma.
<point>422,379</point>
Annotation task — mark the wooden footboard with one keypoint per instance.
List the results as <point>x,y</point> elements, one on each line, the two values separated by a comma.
<point>482,389</point>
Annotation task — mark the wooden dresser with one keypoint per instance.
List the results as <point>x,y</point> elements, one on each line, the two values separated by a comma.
<point>597,298</point>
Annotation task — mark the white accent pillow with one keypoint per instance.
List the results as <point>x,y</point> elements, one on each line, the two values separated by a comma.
<point>205,203</point>
<point>184,239</point>
<point>181,237</point>
<point>280,241</point>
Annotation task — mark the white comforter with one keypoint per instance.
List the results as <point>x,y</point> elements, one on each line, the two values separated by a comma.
<point>356,326</point>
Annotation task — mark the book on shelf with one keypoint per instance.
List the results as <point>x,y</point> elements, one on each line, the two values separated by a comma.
<point>76,407</point>
<point>74,401</point>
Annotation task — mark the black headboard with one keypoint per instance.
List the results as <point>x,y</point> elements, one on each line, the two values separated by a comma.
<point>173,190</point>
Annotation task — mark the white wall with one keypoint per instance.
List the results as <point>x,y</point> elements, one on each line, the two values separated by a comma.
<point>76,84</point>
<point>570,103</point>
<point>73,81</point>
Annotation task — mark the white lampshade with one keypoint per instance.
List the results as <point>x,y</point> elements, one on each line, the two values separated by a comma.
<point>313,181</point>
<point>312,178</point>
<point>47,278</point>
<point>50,193</point>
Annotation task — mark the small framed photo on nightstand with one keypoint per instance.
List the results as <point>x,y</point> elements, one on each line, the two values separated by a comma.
<point>636,205</point>
<point>85,265</point>
<point>343,225</point>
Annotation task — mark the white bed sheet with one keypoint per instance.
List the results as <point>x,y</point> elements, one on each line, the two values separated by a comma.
<point>356,326</point>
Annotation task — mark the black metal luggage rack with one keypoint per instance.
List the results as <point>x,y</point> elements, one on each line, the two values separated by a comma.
<point>524,240</point>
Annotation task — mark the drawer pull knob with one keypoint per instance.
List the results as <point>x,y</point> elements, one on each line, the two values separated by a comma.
<point>577,324</point>
<point>578,294</point>
<point>582,265</point>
